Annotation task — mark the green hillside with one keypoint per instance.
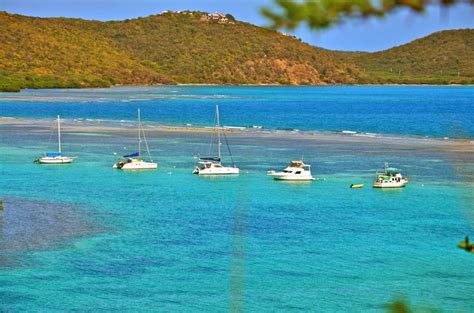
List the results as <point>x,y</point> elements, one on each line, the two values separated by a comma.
<point>445,57</point>
<point>187,48</point>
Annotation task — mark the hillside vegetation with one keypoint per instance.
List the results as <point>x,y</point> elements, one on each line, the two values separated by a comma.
<point>445,57</point>
<point>186,48</point>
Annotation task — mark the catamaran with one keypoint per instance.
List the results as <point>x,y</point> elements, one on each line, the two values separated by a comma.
<point>55,157</point>
<point>212,165</point>
<point>133,161</point>
<point>390,177</point>
<point>295,171</point>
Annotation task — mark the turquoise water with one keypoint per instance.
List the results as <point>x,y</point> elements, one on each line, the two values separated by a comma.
<point>421,111</point>
<point>86,237</point>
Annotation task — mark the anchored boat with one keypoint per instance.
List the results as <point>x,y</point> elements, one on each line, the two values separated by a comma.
<point>134,161</point>
<point>55,157</point>
<point>390,177</point>
<point>295,171</point>
<point>213,165</point>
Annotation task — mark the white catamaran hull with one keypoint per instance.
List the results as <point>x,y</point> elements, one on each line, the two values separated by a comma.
<point>54,160</point>
<point>136,166</point>
<point>217,171</point>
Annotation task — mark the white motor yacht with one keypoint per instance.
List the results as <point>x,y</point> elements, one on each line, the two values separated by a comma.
<point>295,171</point>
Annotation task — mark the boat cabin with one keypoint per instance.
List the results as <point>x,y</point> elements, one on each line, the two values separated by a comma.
<point>209,162</point>
<point>297,167</point>
<point>390,174</point>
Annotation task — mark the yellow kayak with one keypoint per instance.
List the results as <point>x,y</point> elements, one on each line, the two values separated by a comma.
<point>357,185</point>
<point>469,247</point>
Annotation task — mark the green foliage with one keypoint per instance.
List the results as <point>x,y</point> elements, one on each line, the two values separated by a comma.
<point>57,53</point>
<point>230,17</point>
<point>185,48</point>
<point>188,49</point>
<point>324,13</point>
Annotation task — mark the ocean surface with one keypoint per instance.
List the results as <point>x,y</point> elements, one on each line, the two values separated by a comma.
<point>395,110</point>
<point>86,237</point>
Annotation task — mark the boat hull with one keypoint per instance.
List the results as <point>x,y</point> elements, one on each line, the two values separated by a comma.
<point>389,184</point>
<point>217,172</point>
<point>287,177</point>
<point>293,178</point>
<point>135,166</point>
<point>55,160</point>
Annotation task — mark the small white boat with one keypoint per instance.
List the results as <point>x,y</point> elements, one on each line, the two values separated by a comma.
<point>55,157</point>
<point>390,177</point>
<point>213,165</point>
<point>295,171</point>
<point>134,161</point>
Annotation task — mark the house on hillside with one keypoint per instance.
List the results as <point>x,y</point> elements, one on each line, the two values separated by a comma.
<point>219,18</point>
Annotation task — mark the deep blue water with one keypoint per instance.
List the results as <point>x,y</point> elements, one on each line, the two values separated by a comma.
<point>396,110</point>
<point>87,237</point>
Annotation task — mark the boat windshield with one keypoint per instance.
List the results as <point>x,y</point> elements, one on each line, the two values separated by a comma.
<point>393,171</point>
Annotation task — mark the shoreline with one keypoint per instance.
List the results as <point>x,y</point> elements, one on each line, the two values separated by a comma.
<point>241,85</point>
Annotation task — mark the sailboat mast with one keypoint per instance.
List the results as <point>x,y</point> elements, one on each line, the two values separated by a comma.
<point>218,133</point>
<point>139,134</point>
<point>59,135</point>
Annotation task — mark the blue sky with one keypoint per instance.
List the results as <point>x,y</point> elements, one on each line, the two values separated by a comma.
<point>364,35</point>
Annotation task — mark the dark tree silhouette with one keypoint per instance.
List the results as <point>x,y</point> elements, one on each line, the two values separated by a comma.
<point>317,14</point>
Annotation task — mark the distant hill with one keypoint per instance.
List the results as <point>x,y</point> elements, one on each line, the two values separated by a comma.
<point>445,57</point>
<point>192,48</point>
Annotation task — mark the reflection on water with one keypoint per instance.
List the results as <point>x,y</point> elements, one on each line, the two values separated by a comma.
<point>237,270</point>
<point>27,225</point>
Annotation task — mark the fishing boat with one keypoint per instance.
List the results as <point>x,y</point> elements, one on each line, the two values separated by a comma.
<point>295,171</point>
<point>55,157</point>
<point>212,165</point>
<point>389,177</point>
<point>134,161</point>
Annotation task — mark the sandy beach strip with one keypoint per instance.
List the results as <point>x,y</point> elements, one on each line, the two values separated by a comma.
<point>128,127</point>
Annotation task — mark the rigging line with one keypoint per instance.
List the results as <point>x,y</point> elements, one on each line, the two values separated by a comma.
<point>212,136</point>
<point>146,143</point>
<point>211,143</point>
<point>226,143</point>
<point>53,131</point>
<point>228,149</point>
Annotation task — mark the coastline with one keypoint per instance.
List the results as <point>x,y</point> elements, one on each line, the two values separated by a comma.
<point>239,85</point>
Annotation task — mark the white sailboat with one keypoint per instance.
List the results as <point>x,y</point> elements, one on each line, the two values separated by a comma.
<point>55,157</point>
<point>133,161</point>
<point>212,165</point>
